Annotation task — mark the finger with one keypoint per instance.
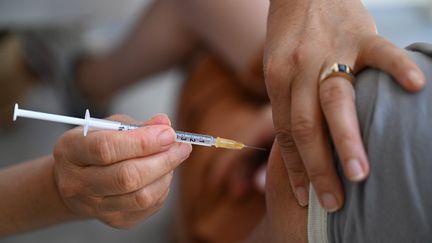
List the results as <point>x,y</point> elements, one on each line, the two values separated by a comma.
<point>380,53</point>
<point>121,118</point>
<point>142,199</point>
<point>133,218</point>
<point>131,175</point>
<point>337,102</point>
<point>291,157</point>
<point>159,119</point>
<point>311,138</point>
<point>125,220</point>
<point>278,75</point>
<point>107,147</point>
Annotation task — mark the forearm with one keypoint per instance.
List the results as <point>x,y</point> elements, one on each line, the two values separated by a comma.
<point>29,197</point>
<point>158,41</point>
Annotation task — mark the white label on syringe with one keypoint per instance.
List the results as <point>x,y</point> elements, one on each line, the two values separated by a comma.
<point>193,138</point>
<point>126,127</point>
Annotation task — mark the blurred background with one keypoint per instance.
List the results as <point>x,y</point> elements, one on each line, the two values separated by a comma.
<point>102,24</point>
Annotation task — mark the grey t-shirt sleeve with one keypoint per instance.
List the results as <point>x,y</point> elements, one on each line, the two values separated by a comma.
<point>395,203</point>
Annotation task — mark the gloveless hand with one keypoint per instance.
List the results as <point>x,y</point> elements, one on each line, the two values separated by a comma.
<point>304,38</point>
<point>120,178</point>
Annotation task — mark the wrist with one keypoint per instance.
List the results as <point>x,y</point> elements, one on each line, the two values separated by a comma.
<point>65,212</point>
<point>32,200</point>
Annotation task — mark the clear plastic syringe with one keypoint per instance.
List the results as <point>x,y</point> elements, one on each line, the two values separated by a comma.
<point>90,122</point>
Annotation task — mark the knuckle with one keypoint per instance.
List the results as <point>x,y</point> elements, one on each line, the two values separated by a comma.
<point>143,199</point>
<point>303,129</point>
<point>332,94</point>
<point>276,73</point>
<point>67,182</point>
<point>374,44</point>
<point>345,138</point>
<point>318,173</point>
<point>397,62</point>
<point>102,149</point>
<point>300,55</point>
<point>271,68</point>
<point>286,140</point>
<point>118,223</point>
<point>295,170</point>
<point>170,159</point>
<point>144,143</point>
<point>128,178</point>
<point>279,73</point>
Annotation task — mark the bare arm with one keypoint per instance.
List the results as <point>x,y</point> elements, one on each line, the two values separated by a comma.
<point>121,187</point>
<point>235,30</point>
<point>285,221</point>
<point>158,41</point>
<point>170,32</point>
<point>29,197</point>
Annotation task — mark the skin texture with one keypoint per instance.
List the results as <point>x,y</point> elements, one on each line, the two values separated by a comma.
<point>303,39</point>
<point>120,178</point>
<point>22,206</point>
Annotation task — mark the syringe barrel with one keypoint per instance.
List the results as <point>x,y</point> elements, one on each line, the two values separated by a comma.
<point>103,124</point>
<point>110,125</point>
<point>193,138</point>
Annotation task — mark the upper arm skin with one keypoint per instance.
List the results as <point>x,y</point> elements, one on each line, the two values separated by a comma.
<point>393,204</point>
<point>285,221</point>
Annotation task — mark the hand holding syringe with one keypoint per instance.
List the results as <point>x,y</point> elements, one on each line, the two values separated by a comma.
<point>89,122</point>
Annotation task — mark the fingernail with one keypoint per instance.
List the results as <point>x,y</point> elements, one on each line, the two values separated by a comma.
<point>184,150</point>
<point>354,170</point>
<point>166,137</point>
<point>415,78</point>
<point>329,202</point>
<point>161,118</point>
<point>302,196</point>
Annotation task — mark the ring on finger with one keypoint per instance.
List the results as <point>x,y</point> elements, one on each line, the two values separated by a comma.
<point>337,70</point>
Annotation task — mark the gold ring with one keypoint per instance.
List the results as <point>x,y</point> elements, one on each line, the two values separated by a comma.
<point>338,70</point>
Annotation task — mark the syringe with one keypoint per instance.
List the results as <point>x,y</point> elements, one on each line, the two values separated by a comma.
<point>90,122</point>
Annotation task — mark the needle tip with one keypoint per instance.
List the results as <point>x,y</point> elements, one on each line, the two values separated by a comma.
<point>257,148</point>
